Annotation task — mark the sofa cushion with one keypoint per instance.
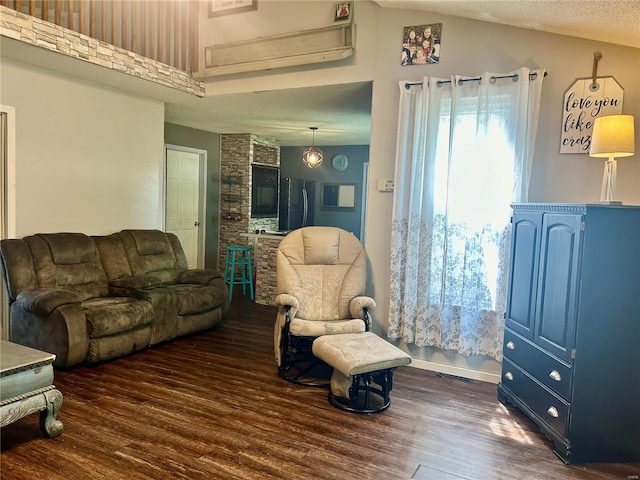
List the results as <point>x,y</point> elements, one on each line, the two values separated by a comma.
<point>194,299</point>
<point>113,257</point>
<point>151,242</point>
<point>57,265</point>
<point>112,315</point>
<point>149,253</point>
<point>70,248</point>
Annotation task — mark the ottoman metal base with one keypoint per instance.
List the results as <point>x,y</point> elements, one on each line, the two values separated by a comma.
<point>369,393</point>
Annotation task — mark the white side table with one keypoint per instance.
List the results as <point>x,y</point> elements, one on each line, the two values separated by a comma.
<point>26,386</point>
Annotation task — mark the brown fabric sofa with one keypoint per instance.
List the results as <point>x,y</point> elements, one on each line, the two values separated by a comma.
<point>90,299</point>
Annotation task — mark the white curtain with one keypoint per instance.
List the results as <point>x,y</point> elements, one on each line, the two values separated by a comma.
<point>463,156</point>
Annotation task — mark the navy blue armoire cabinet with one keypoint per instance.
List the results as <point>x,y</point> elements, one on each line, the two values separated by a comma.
<point>572,336</point>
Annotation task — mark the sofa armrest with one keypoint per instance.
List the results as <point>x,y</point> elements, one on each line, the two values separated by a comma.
<point>135,283</point>
<point>43,301</point>
<point>200,276</point>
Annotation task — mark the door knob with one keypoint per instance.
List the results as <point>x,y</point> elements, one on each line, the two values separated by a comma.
<point>196,224</point>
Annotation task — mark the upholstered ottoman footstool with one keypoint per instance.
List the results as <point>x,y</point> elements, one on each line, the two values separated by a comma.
<point>363,365</point>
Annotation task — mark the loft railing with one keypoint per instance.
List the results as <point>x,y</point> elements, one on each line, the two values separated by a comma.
<point>163,30</point>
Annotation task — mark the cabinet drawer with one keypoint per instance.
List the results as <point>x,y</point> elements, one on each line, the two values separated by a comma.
<point>547,369</point>
<point>551,408</point>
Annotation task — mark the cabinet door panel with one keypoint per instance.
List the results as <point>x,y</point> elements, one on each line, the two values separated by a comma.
<point>525,236</point>
<point>558,284</point>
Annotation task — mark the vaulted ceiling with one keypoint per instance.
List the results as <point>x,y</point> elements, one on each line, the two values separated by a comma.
<point>343,112</point>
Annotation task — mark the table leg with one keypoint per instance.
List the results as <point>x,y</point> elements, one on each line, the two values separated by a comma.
<point>49,424</point>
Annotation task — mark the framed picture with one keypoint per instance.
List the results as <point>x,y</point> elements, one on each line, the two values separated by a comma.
<point>343,12</point>
<point>217,8</point>
<point>338,196</point>
<point>421,44</point>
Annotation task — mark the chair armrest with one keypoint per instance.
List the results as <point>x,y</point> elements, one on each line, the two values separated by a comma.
<point>288,302</point>
<point>44,301</point>
<point>200,276</point>
<point>360,307</point>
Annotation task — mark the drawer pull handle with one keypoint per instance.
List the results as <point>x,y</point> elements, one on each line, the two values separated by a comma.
<point>508,376</point>
<point>554,375</point>
<point>511,345</point>
<point>553,411</point>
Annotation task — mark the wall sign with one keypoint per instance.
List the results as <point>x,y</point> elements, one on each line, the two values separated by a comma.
<point>584,101</point>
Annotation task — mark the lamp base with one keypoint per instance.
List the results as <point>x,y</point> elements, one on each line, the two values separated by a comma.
<point>608,191</point>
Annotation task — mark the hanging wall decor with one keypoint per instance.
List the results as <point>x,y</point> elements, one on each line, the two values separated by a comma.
<point>421,44</point>
<point>584,101</point>
<point>343,12</point>
<point>218,8</point>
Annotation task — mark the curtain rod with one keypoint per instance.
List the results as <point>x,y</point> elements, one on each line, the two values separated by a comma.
<point>492,79</point>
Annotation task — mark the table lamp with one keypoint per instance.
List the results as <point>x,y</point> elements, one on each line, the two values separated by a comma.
<point>612,137</point>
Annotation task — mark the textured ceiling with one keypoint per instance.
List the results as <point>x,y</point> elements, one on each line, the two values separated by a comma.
<point>613,21</point>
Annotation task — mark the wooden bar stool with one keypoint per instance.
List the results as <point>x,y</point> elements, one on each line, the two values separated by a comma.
<point>239,256</point>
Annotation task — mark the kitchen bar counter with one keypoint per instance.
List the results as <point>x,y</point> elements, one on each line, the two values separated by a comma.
<point>265,249</point>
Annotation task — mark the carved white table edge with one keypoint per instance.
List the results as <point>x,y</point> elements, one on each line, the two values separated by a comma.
<point>26,387</point>
<point>47,401</point>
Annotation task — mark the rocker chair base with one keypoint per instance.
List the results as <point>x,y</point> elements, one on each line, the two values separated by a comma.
<point>309,373</point>
<point>366,396</point>
<point>301,366</point>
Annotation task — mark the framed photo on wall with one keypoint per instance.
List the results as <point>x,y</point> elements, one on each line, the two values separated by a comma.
<point>217,8</point>
<point>421,44</point>
<point>343,12</point>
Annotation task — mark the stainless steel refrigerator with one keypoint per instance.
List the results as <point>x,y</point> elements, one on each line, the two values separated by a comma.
<point>296,203</point>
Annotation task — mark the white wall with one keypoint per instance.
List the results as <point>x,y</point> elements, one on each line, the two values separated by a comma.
<point>88,159</point>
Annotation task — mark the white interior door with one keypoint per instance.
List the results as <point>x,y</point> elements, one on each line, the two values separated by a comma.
<point>7,201</point>
<point>184,209</point>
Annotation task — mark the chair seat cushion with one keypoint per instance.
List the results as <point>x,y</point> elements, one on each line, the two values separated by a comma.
<point>316,328</point>
<point>193,299</point>
<point>113,315</point>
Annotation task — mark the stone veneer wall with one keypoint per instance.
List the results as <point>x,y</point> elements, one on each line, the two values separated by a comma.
<point>266,254</point>
<point>28,29</point>
<point>237,153</point>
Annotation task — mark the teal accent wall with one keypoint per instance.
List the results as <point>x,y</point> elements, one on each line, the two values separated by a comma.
<point>291,165</point>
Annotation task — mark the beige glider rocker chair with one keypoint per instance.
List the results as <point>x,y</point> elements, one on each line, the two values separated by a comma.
<point>321,277</point>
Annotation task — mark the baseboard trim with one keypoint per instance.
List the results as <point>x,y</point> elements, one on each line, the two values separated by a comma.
<point>456,371</point>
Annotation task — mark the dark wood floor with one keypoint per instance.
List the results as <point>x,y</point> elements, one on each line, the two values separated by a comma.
<point>211,406</point>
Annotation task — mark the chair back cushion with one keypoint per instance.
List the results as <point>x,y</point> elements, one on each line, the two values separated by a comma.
<point>324,268</point>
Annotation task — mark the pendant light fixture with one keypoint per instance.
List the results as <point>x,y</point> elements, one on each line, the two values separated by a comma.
<point>312,156</point>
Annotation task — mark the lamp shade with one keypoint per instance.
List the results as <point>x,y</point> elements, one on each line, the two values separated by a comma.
<point>312,157</point>
<point>612,136</point>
